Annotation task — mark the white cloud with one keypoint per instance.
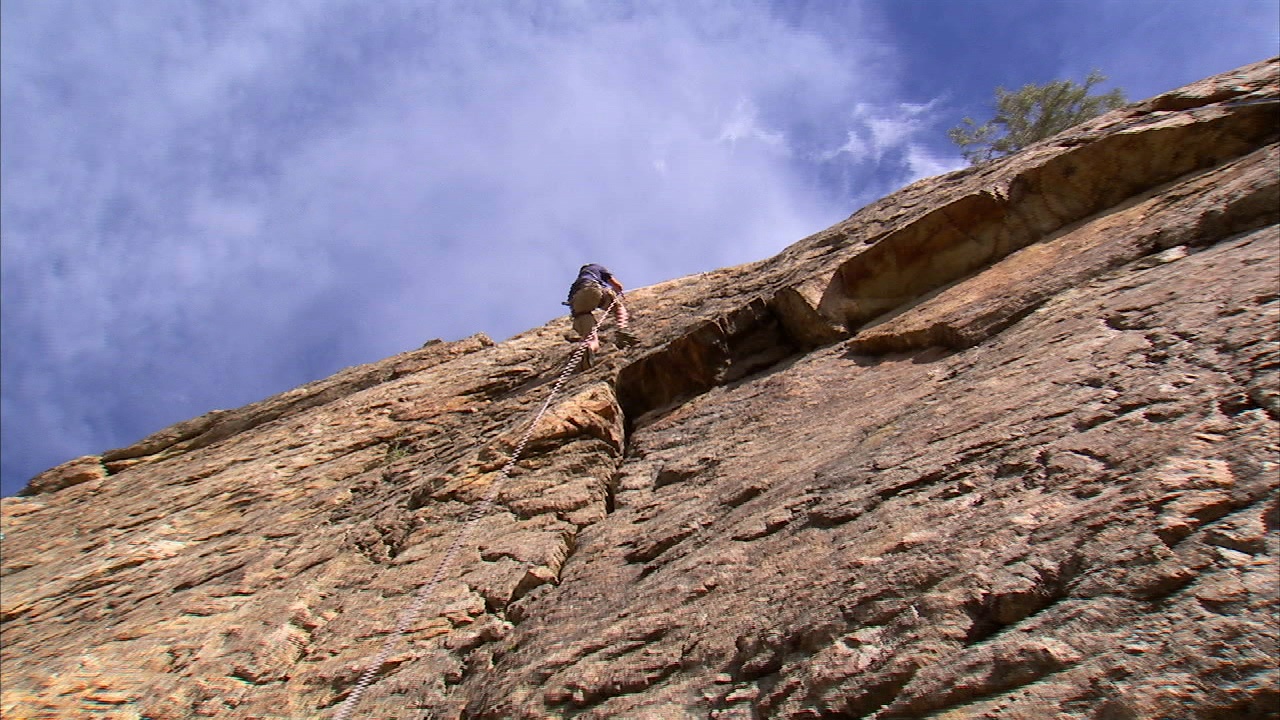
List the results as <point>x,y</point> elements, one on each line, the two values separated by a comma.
<point>744,125</point>
<point>889,145</point>
<point>923,162</point>
<point>223,217</point>
<point>879,129</point>
<point>251,196</point>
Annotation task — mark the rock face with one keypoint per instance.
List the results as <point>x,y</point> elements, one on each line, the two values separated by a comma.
<point>1003,444</point>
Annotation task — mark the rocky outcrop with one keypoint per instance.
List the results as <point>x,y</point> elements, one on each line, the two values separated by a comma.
<point>1003,444</point>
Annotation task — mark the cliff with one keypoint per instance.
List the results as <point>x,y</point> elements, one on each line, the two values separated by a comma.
<point>1005,443</point>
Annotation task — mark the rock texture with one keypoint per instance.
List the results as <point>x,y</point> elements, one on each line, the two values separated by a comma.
<point>1005,444</point>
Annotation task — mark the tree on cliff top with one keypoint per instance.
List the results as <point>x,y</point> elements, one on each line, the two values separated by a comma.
<point>1032,113</point>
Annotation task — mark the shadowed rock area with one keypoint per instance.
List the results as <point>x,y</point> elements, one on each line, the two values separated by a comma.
<point>1004,444</point>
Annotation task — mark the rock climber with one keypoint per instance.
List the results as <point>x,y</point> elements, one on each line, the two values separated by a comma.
<point>597,288</point>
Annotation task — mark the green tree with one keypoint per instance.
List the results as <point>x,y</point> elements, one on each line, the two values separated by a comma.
<point>1031,114</point>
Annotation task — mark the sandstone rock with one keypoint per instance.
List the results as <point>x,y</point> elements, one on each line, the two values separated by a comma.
<point>1002,444</point>
<point>74,472</point>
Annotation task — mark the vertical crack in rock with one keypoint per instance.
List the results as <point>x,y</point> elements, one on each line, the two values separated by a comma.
<point>718,352</point>
<point>562,484</point>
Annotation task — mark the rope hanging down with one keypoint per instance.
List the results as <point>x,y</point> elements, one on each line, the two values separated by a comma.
<point>410,614</point>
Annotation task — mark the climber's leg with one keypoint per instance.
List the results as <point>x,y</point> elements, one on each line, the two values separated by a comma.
<point>584,320</point>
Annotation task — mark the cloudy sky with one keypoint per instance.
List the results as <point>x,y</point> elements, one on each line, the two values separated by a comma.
<point>206,203</point>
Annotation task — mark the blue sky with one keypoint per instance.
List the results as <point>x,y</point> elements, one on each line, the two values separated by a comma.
<point>206,203</point>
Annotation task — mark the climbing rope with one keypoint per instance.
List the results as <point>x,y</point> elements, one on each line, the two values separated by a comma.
<point>410,614</point>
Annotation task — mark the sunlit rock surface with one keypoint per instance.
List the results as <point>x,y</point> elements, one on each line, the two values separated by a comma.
<point>1003,444</point>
